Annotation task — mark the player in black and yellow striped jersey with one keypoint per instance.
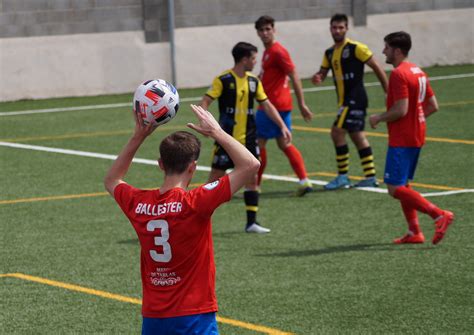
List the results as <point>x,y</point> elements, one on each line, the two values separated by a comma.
<point>346,59</point>
<point>236,90</point>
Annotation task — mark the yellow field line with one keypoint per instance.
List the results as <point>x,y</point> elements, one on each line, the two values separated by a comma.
<point>63,197</point>
<point>108,295</point>
<point>373,134</point>
<point>429,186</point>
<point>379,110</point>
<point>314,129</point>
<point>54,197</point>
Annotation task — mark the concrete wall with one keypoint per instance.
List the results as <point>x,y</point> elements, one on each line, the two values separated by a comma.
<point>76,65</point>
<point>435,34</point>
<point>93,64</point>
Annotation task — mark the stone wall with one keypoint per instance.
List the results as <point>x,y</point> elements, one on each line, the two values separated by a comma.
<point>25,18</point>
<point>108,63</point>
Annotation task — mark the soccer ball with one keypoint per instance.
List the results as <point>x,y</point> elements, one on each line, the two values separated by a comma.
<point>156,102</point>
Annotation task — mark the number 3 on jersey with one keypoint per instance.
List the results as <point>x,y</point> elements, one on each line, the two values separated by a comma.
<point>160,240</point>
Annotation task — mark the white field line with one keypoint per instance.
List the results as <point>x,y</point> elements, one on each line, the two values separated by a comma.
<point>199,168</point>
<point>129,104</point>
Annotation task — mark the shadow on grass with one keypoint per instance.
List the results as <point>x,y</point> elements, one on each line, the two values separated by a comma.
<point>279,194</point>
<point>374,247</point>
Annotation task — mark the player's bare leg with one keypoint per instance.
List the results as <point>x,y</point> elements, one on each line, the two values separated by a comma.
<point>262,142</point>
<point>367,159</point>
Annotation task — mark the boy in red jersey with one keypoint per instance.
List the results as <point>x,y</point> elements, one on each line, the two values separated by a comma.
<point>410,100</point>
<point>174,225</point>
<point>277,66</point>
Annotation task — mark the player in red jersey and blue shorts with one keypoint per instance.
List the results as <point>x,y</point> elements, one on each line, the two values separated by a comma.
<point>410,100</point>
<point>277,67</point>
<point>174,226</point>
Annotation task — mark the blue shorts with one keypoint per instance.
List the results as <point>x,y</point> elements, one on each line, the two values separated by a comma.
<point>266,128</point>
<point>400,165</point>
<point>181,325</point>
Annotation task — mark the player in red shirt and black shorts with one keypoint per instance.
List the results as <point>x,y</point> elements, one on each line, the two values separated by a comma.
<point>174,226</point>
<point>410,100</point>
<point>277,67</point>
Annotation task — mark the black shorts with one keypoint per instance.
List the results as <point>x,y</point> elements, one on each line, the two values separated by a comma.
<point>222,161</point>
<point>353,120</point>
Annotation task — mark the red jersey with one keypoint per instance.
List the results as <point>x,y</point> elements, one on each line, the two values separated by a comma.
<point>177,258</point>
<point>408,81</point>
<point>276,64</point>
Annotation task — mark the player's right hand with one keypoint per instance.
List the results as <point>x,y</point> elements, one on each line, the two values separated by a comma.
<point>286,133</point>
<point>374,120</point>
<point>317,79</point>
<point>141,129</point>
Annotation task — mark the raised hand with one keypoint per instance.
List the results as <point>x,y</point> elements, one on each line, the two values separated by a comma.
<point>208,125</point>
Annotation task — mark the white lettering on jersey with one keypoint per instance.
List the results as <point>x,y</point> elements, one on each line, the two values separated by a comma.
<point>416,70</point>
<point>161,209</point>
<point>212,185</point>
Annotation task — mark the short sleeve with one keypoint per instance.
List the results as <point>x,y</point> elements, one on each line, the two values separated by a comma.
<point>397,86</point>
<point>260,94</point>
<point>285,61</point>
<point>325,63</point>
<point>215,90</point>
<point>206,198</point>
<point>124,195</point>
<point>362,52</point>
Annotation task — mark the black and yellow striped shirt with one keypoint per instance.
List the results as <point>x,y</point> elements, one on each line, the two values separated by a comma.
<point>236,103</point>
<point>347,65</point>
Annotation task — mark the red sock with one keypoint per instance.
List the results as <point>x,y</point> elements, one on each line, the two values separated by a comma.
<point>296,161</point>
<point>411,216</point>
<point>263,164</point>
<point>414,199</point>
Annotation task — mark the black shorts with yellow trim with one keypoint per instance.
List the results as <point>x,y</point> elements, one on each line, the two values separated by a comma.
<point>352,120</point>
<point>221,159</point>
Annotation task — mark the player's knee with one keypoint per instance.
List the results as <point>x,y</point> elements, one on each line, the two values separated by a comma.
<point>392,189</point>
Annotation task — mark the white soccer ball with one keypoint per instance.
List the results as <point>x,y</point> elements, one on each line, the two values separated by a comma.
<point>156,102</point>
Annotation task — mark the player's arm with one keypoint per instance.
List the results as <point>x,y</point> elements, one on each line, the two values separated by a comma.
<point>206,101</point>
<point>430,106</point>
<point>298,88</point>
<point>320,76</point>
<point>212,93</point>
<point>120,167</point>
<point>397,111</point>
<point>273,114</point>
<point>379,72</point>
<point>245,164</point>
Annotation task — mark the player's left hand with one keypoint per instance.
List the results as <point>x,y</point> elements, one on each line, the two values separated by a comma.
<point>306,113</point>
<point>374,121</point>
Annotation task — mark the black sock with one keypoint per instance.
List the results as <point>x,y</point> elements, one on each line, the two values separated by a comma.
<point>251,205</point>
